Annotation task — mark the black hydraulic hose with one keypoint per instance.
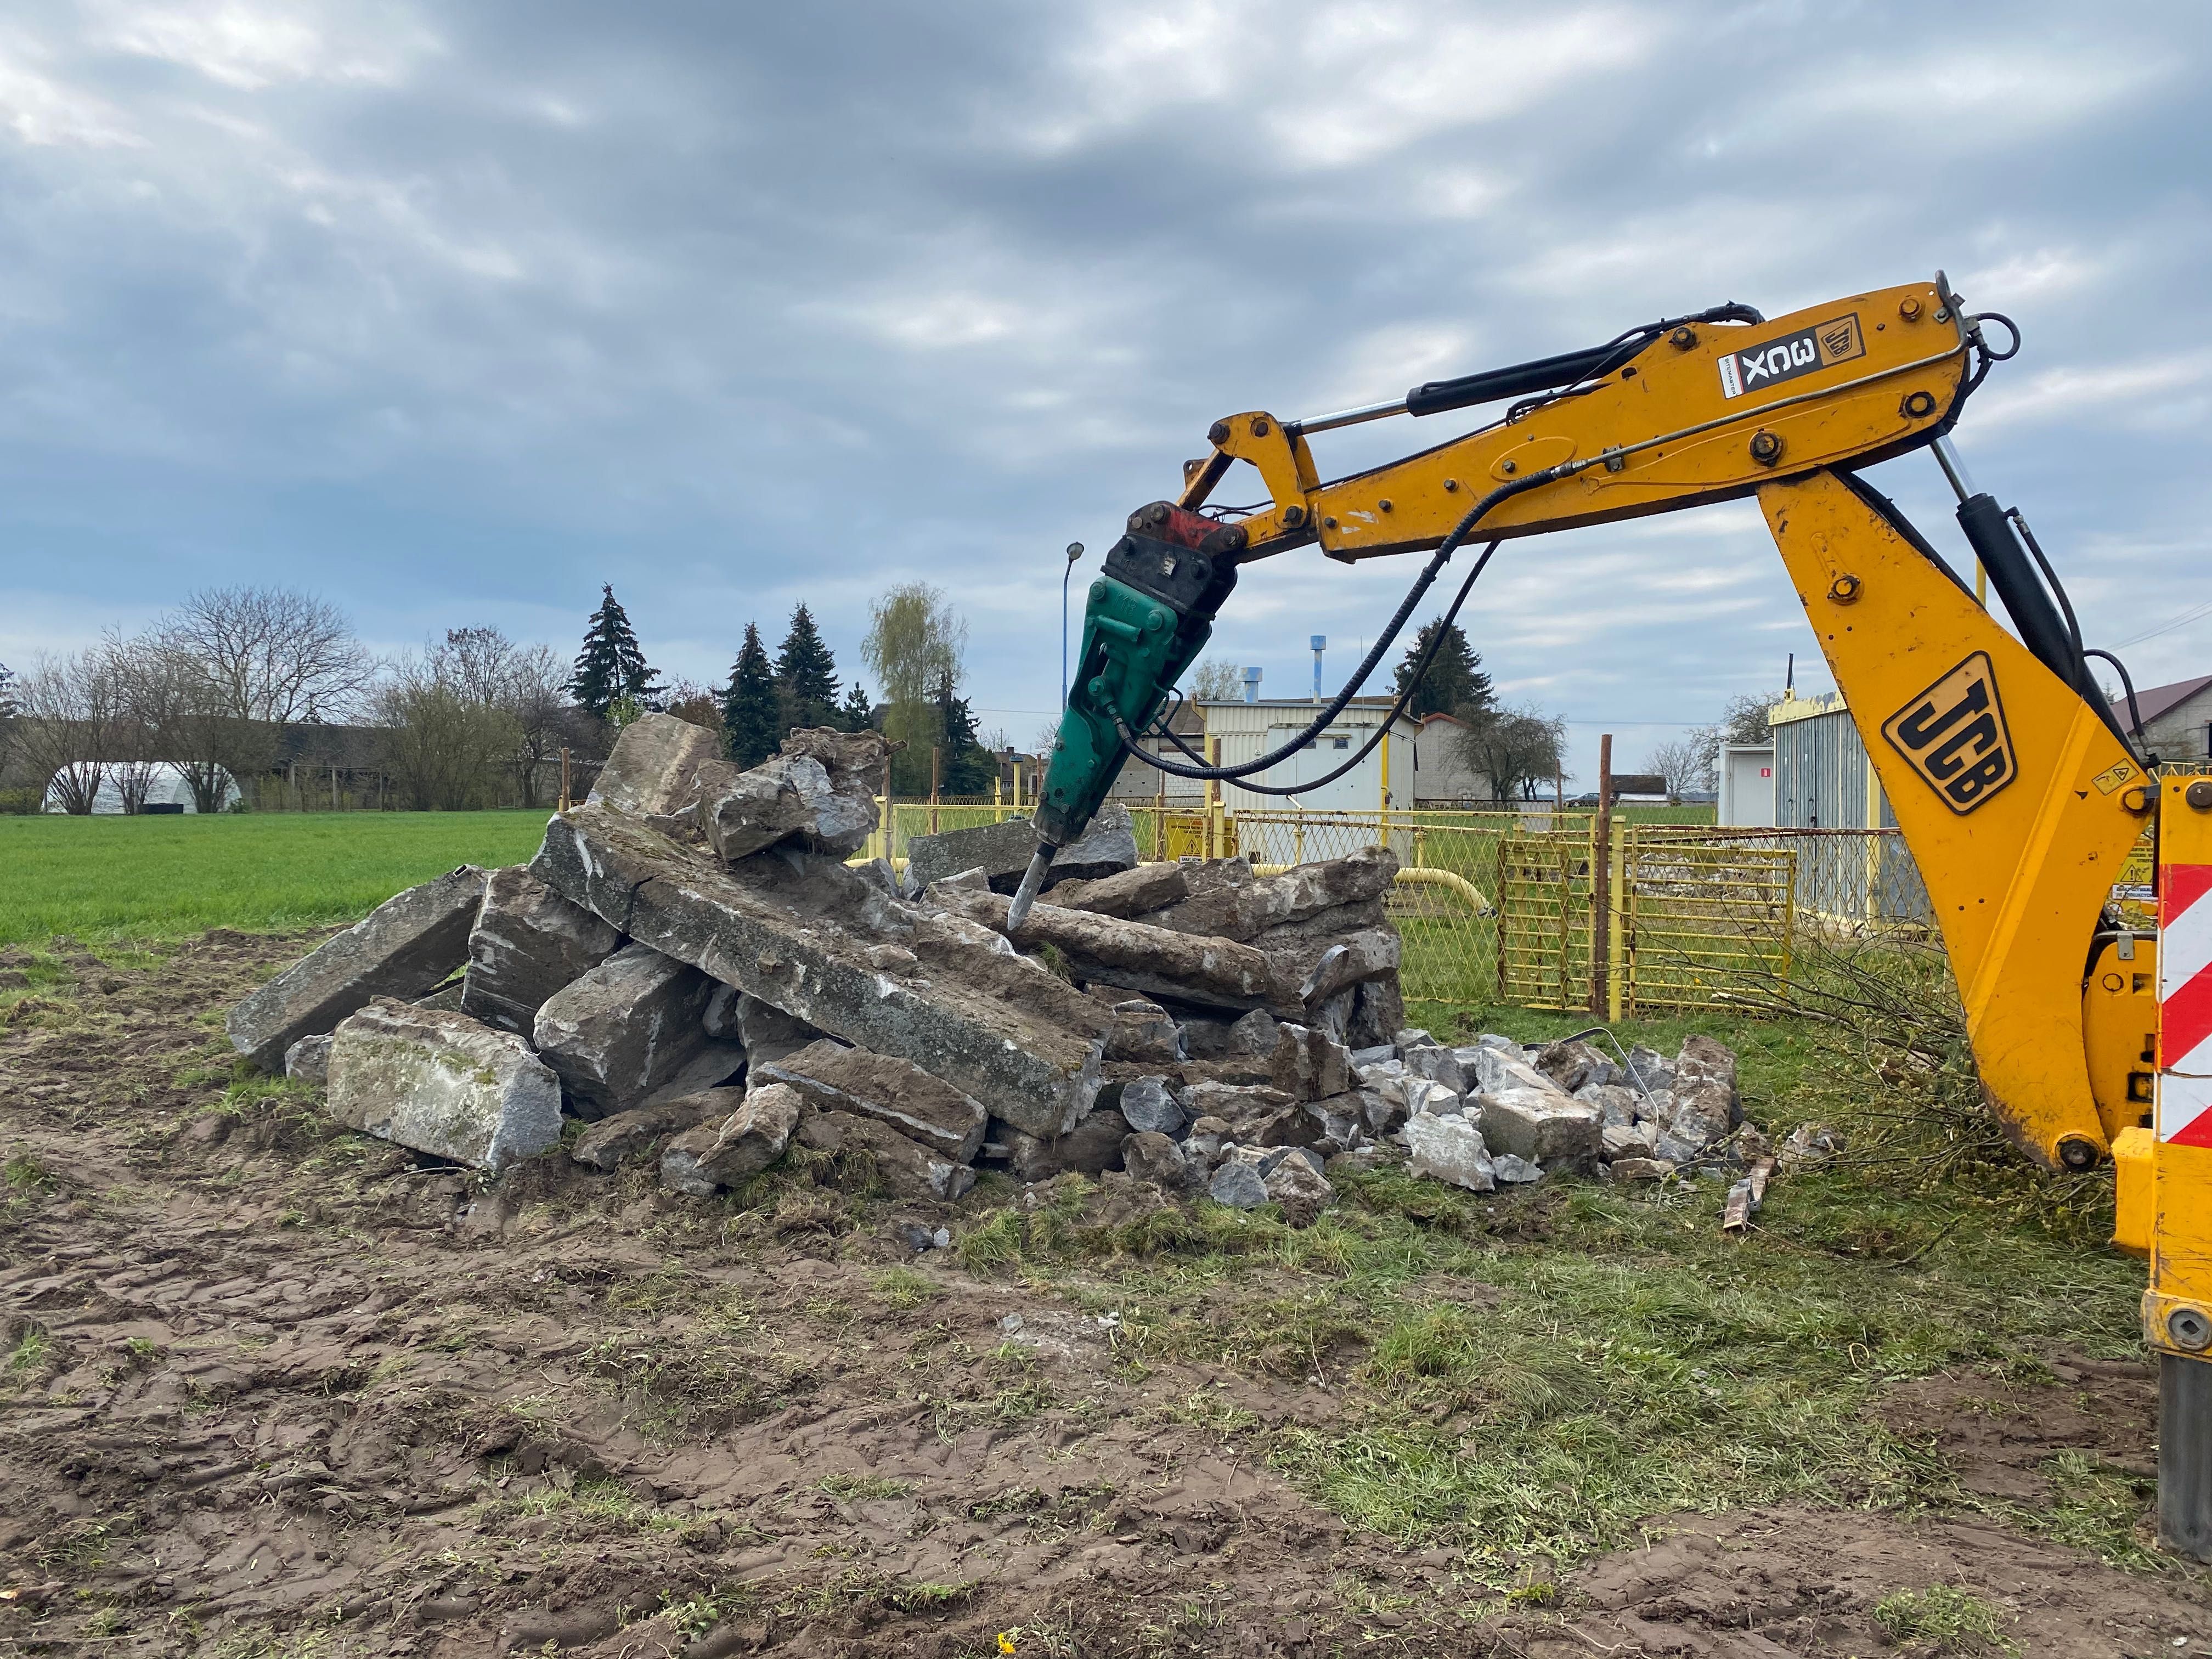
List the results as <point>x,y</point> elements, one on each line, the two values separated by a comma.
<point>1450,545</point>
<point>1368,748</point>
<point>2135,713</point>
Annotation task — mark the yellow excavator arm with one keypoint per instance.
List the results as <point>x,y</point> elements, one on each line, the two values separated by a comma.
<point>2013,786</point>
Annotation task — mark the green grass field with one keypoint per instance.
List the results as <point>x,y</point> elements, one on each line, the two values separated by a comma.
<point>168,878</point>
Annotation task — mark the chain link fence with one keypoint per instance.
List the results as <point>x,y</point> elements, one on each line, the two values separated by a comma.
<point>1502,907</point>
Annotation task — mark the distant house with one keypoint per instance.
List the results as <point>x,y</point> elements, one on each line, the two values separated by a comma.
<point>2177,719</point>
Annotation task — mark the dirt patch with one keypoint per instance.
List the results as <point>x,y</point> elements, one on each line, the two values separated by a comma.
<point>273,1389</point>
<point>1998,1437</point>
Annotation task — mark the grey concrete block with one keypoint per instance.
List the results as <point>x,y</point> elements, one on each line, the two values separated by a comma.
<point>526,943</point>
<point>442,1084</point>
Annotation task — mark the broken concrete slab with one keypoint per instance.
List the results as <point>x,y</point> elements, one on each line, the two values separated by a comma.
<point>527,943</point>
<point>838,1078</point>
<point>1003,851</point>
<point>612,1142</point>
<point>1652,1069</point>
<point>404,948</point>
<point>997,1027</point>
<point>1495,1072</point>
<point>906,1168</point>
<point>1705,1104</point>
<point>1239,1108</point>
<point>1135,955</point>
<point>443,1084</point>
<point>1128,893</point>
<point>1243,911</point>
<point>722,1153</point>
<point>1450,1149</point>
<point>1619,1140</point>
<point>1438,1064</point>
<point>623,1029</point>
<point>1615,1104</point>
<point>1518,1170</point>
<point>1640,1169</point>
<point>652,771</point>
<point>1541,1125</point>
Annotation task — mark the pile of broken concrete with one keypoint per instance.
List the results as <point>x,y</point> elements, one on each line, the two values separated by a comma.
<point>1496,1111</point>
<point>694,966</point>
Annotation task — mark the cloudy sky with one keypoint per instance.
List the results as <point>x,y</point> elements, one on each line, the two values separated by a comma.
<point>452,313</point>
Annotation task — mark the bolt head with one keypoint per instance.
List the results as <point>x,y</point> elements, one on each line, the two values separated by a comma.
<point>1766,448</point>
<point>1908,308</point>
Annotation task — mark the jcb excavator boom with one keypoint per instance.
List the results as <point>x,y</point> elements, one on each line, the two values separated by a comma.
<point>2012,783</point>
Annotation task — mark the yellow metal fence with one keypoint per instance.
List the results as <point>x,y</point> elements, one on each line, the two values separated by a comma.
<point>1499,907</point>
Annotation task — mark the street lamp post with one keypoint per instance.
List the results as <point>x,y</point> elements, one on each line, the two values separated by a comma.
<point>1074,552</point>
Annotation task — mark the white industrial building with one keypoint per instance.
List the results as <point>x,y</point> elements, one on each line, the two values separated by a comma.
<point>1418,763</point>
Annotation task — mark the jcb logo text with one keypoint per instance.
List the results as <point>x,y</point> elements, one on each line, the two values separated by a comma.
<point>1954,734</point>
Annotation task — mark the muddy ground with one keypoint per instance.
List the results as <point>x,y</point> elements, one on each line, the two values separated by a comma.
<point>274,1390</point>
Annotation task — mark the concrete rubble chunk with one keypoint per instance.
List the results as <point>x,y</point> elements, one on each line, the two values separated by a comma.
<point>1412,1038</point>
<point>1289,1126</point>
<point>1570,1063</point>
<point>999,1028</point>
<point>1374,1056</point>
<point>1244,911</point>
<point>1239,1184</point>
<point>1640,1169</point>
<point>1154,1158</point>
<point>1003,850</point>
<point>612,1142</point>
<point>1651,1067</point>
<point>1615,1104</point>
<point>924,1108</point>
<point>1302,1191</point>
<point>1426,1097</point>
<point>1148,1107</point>
<point>1254,1034</point>
<point>1494,1071</point>
<point>652,771</point>
<point>623,1029</point>
<point>1092,1147</point>
<point>404,948</point>
<point>820,790</point>
<point>1618,1140</point>
<point>1540,1125</point>
<point>1518,1171</point>
<point>1705,1104</point>
<point>446,998</point>
<point>1439,1064</point>
<point>1143,1034</point>
<point>1450,1149</point>
<point>1135,955</point>
<point>442,1084</point>
<point>1379,1008</point>
<point>1309,1065</point>
<point>1237,1107</point>
<point>527,943</point>
<point>1127,893</point>
<point>721,1153</point>
<point>906,1168</point>
<point>308,1061</point>
<point>1381,1113</point>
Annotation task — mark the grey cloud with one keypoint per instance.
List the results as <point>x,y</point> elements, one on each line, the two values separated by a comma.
<point>454,311</point>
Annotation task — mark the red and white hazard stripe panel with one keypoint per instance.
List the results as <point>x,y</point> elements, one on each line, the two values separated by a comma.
<point>2184,1005</point>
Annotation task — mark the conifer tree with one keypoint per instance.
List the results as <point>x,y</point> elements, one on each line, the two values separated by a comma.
<point>805,673</point>
<point>752,712</point>
<point>967,767</point>
<point>1455,684</point>
<point>859,714</point>
<point>611,668</point>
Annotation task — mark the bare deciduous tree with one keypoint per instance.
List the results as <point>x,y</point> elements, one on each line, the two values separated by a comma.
<point>1743,721</point>
<point>1515,748</point>
<point>1215,680</point>
<point>68,729</point>
<point>1681,763</point>
<point>264,658</point>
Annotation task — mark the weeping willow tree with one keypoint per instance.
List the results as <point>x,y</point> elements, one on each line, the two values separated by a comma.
<point>914,645</point>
